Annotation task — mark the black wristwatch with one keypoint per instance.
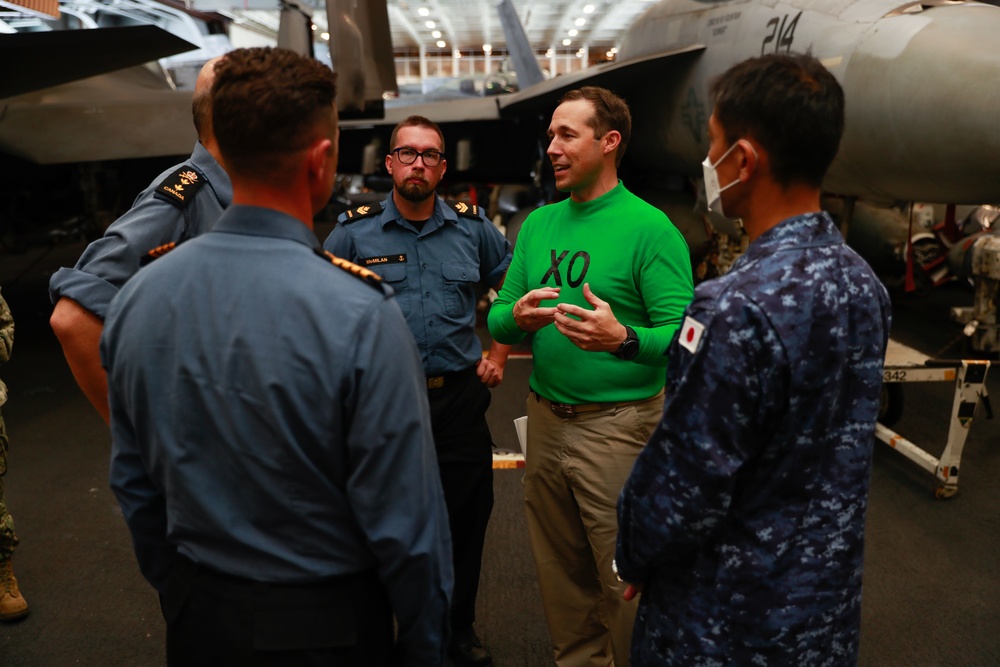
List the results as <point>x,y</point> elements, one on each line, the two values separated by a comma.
<point>630,347</point>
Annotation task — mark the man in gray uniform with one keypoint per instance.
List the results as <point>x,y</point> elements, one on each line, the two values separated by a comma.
<point>743,519</point>
<point>181,203</point>
<point>272,452</point>
<point>434,253</point>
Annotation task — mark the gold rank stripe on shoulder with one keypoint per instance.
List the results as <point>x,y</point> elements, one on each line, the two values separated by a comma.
<point>352,268</point>
<point>465,210</point>
<point>156,253</point>
<point>180,187</point>
<point>363,211</point>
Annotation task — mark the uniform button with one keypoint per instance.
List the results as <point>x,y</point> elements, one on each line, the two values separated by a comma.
<point>430,324</point>
<point>427,293</point>
<point>423,265</point>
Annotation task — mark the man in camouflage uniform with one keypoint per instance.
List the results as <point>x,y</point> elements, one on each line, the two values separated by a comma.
<point>743,519</point>
<point>12,603</point>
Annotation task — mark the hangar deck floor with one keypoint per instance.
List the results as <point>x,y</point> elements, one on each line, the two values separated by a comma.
<point>932,573</point>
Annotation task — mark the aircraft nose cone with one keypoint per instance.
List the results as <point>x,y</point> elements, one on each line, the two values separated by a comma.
<point>923,99</point>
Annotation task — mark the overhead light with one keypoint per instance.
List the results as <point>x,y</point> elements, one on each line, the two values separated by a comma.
<point>436,34</point>
<point>430,25</point>
<point>487,49</point>
<point>423,11</point>
<point>549,53</point>
<point>567,42</point>
<point>456,54</point>
<point>325,36</point>
<point>614,49</point>
<point>580,22</point>
<point>573,33</point>
<point>589,9</point>
<point>441,44</point>
<point>610,55</point>
<point>313,26</point>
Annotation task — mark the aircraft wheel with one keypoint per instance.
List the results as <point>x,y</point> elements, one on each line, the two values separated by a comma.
<point>891,408</point>
<point>944,492</point>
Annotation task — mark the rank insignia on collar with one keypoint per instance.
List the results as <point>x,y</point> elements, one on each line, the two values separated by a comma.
<point>691,332</point>
<point>363,211</point>
<point>180,187</point>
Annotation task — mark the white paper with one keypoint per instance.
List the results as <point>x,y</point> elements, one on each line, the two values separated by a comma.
<point>521,426</point>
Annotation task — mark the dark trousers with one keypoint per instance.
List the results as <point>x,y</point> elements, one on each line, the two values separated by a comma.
<point>465,459</point>
<point>216,620</point>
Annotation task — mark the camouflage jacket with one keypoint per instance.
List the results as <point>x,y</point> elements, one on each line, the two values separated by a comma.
<point>744,515</point>
<point>6,341</point>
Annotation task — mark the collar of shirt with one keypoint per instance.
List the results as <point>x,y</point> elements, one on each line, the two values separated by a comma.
<point>217,177</point>
<point>442,214</point>
<point>259,221</point>
<point>801,231</point>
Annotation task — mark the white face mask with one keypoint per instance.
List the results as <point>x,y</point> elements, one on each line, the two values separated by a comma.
<point>713,193</point>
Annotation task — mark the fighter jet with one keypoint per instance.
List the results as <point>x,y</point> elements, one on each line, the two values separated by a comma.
<point>917,76</point>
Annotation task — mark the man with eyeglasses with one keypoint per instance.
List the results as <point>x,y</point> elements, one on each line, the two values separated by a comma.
<point>433,253</point>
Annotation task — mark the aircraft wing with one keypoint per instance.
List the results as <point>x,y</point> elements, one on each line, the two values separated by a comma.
<point>619,76</point>
<point>127,114</point>
<point>46,59</point>
<point>497,138</point>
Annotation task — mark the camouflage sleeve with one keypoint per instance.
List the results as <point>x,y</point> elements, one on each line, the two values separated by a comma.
<point>6,331</point>
<point>720,399</point>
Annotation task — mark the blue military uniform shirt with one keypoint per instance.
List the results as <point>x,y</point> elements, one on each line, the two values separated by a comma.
<point>269,420</point>
<point>111,260</point>
<point>433,271</point>
<point>744,515</point>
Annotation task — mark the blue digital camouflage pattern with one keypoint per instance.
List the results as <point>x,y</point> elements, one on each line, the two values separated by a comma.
<point>744,515</point>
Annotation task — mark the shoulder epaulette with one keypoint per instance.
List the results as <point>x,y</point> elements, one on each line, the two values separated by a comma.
<point>465,210</point>
<point>157,252</point>
<point>355,270</point>
<point>363,211</point>
<point>180,187</point>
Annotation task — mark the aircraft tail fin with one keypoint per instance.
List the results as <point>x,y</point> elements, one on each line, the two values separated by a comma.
<point>361,51</point>
<point>521,53</point>
<point>295,27</point>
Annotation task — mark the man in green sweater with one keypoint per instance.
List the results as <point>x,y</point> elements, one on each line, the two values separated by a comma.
<point>601,280</point>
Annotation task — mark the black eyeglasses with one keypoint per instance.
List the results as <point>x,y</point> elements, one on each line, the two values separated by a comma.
<point>407,155</point>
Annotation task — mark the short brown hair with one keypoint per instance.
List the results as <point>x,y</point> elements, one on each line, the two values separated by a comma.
<point>415,121</point>
<point>610,113</point>
<point>267,104</point>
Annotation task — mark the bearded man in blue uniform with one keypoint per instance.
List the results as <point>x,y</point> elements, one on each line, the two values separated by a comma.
<point>742,522</point>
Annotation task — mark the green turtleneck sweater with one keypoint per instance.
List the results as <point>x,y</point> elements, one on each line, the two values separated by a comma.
<point>634,258</point>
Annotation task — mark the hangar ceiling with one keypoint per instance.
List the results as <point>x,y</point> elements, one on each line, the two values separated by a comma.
<point>471,24</point>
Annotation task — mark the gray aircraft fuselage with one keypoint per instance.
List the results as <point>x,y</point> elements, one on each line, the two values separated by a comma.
<point>920,83</point>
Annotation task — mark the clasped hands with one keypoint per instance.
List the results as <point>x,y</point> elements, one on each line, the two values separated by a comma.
<point>594,330</point>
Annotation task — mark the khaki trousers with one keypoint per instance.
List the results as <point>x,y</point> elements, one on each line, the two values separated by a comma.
<point>574,471</point>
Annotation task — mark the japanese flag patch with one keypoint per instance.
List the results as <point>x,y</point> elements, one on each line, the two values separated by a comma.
<point>691,332</point>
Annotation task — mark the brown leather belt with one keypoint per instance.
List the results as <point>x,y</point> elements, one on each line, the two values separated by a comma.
<point>570,410</point>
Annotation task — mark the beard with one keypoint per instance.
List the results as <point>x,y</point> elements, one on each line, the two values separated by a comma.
<point>415,192</point>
